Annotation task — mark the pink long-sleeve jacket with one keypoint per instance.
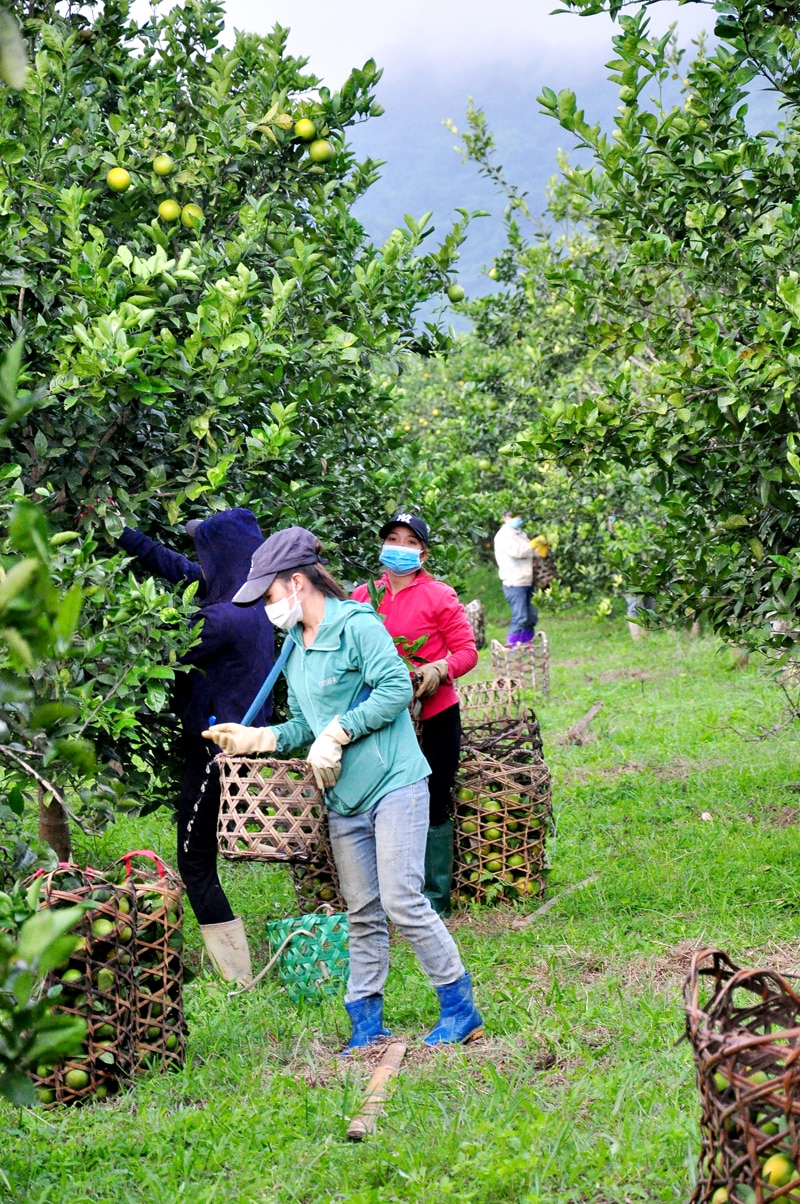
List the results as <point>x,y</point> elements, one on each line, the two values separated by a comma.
<point>429,607</point>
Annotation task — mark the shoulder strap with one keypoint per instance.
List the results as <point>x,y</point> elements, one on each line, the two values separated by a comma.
<point>269,681</point>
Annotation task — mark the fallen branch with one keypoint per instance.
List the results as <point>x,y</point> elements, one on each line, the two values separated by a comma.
<point>365,1120</point>
<point>578,733</point>
<point>540,911</point>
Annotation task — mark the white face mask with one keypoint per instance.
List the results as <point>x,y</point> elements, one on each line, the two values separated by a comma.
<point>285,613</point>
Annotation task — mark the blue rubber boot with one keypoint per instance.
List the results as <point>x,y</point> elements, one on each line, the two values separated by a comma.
<point>526,636</point>
<point>460,1020</point>
<point>367,1017</point>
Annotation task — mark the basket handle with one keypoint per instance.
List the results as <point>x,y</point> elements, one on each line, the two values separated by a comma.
<point>254,982</point>
<point>162,873</point>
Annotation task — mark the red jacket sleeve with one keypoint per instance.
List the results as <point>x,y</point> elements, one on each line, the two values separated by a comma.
<point>457,631</point>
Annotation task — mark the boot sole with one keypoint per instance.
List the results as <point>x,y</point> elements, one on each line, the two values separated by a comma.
<point>473,1036</point>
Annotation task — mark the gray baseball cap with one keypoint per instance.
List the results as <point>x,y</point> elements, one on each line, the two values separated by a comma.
<point>288,549</point>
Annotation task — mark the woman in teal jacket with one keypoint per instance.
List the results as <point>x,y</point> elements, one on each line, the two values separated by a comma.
<point>349,693</point>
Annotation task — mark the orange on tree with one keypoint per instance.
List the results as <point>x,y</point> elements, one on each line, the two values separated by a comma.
<point>169,210</point>
<point>118,179</point>
<point>456,293</point>
<point>321,151</point>
<point>304,128</point>
<point>163,165</point>
<point>191,216</point>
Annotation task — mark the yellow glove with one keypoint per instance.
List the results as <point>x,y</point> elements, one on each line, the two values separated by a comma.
<point>236,738</point>
<point>431,677</point>
<point>325,754</point>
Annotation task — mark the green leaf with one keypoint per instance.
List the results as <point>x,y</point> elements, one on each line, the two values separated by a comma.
<point>48,714</point>
<point>17,1088</point>
<point>45,927</point>
<point>68,613</point>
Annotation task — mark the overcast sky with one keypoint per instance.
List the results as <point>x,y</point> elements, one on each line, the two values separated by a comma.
<point>407,36</point>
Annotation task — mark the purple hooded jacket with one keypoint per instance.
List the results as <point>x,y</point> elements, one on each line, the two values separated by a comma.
<point>236,648</point>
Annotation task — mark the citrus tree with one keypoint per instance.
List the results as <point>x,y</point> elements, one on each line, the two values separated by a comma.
<point>205,324</point>
<point>466,412</point>
<point>689,303</point>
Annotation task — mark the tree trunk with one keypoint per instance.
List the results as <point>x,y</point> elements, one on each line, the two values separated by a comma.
<point>54,827</point>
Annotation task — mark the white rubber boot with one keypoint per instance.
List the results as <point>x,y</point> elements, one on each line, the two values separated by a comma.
<point>637,632</point>
<point>226,945</point>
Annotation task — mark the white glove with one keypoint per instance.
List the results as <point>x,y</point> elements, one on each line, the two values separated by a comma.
<point>325,754</point>
<point>236,738</point>
<point>431,676</point>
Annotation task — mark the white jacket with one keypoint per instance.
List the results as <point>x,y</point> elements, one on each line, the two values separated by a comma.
<point>514,556</point>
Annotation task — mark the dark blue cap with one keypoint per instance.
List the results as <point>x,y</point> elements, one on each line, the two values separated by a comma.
<point>404,519</point>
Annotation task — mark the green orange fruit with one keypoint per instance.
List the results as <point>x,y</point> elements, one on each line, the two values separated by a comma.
<point>304,128</point>
<point>163,165</point>
<point>321,151</point>
<point>76,1080</point>
<point>778,1170</point>
<point>191,216</point>
<point>118,179</point>
<point>169,211</point>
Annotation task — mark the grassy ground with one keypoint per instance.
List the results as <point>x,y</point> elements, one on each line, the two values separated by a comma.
<point>579,1091</point>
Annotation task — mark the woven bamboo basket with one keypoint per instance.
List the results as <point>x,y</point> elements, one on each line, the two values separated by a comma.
<point>477,621</point>
<point>502,812</point>
<point>314,960</point>
<point>316,883</point>
<point>544,571</point>
<point>515,740</point>
<point>159,1023</point>
<point>97,985</point>
<point>529,664</point>
<point>493,699</point>
<point>269,810</point>
<point>745,1035</point>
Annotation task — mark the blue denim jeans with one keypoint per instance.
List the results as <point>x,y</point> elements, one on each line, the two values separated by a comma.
<point>380,858</point>
<point>524,615</point>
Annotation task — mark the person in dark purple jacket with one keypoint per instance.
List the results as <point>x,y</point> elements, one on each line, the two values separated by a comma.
<point>234,655</point>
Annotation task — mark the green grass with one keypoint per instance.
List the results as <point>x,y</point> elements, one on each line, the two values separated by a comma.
<point>579,1092</point>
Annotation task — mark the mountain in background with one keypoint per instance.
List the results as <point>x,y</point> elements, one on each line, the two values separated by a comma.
<point>424,172</point>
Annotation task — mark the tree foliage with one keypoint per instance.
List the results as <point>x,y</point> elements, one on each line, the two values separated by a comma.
<point>687,295</point>
<point>698,280</point>
<point>245,355</point>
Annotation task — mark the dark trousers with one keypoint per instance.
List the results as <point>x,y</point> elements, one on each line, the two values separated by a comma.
<point>197,832</point>
<point>441,745</point>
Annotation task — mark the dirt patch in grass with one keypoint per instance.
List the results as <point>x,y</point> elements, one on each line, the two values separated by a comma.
<point>678,770</point>
<point>488,922</point>
<point>321,1067</point>
<point>783,956</point>
<point>779,817</point>
<point>619,674</point>
<point>664,971</point>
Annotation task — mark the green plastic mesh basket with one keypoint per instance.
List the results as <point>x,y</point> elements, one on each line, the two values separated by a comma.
<point>312,953</point>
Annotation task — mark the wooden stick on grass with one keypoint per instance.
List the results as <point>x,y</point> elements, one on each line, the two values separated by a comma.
<point>579,733</point>
<point>365,1120</point>
<point>540,911</point>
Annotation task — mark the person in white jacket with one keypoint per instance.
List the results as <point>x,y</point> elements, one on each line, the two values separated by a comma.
<point>514,556</point>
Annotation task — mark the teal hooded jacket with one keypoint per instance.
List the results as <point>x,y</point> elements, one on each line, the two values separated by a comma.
<point>352,650</point>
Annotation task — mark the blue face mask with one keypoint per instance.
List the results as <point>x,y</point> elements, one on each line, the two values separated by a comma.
<point>400,560</point>
<point>516,523</point>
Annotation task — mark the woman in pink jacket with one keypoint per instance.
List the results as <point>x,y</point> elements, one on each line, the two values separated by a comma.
<point>414,604</point>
